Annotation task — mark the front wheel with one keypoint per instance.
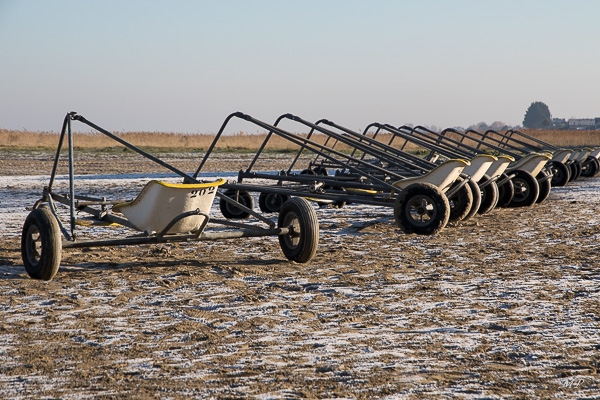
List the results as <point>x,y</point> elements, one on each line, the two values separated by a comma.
<point>545,184</point>
<point>561,173</point>
<point>230,211</point>
<point>506,192</point>
<point>489,196</point>
<point>421,208</point>
<point>300,244</point>
<point>477,197</point>
<point>460,203</point>
<point>590,167</point>
<point>575,168</point>
<point>527,189</point>
<point>41,247</point>
<point>271,202</point>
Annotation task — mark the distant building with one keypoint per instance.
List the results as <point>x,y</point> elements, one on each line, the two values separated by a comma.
<point>559,123</point>
<point>584,123</point>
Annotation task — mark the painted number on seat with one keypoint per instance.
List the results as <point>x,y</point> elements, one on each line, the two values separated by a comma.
<point>203,192</point>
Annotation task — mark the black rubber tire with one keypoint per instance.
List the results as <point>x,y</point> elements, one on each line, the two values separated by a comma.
<point>597,162</point>
<point>341,203</point>
<point>271,202</point>
<point>545,186</point>
<point>460,203</point>
<point>421,208</point>
<point>575,167</point>
<point>506,191</point>
<point>526,189</point>
<point>230,211</point>
<point>590,167</point>
<point>314,171</point>
<point>476,199</point>
<point>41,246</point>
<point>561,173</point>
<point>320,171</point>
<point>301,245</point>
<point>489,196</point>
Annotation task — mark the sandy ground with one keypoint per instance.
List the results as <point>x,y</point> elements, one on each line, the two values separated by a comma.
<point>504,305</point>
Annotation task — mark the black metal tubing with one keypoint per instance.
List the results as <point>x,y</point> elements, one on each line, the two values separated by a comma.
<point>186,177</point>
<point>66,121</point>
<point>398,133</point>
<point>404,161</point>
<point>507,141</point>
<point>374,148</point>
<point>481,142</point>
<point>133,240</point>
<point>460,145</point>
<point>543,145</point>
<point>447,142</point>
<point>72,200</point>
<point>181,216</point>
<point>412,160</point>
<point>331,155</point>
<point>132,147</point>
<point>379,198</point>
<point>484,139</point>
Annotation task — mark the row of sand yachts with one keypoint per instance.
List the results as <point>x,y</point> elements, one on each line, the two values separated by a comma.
<point>426,178</point>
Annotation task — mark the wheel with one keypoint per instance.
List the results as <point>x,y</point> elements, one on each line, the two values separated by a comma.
<point>41,246</point>
<point>421,208</point>
<point>230,211</point>
<point>271,202</point>
<point>526,189</point>
<point>476,199</point>
<point>338,203</point>
<point>314,171</point>
<point>590,167</point>
<point>575,167</point>
<point>597,162</point>
<point>489,196</point>
<point>320,171</point>
<point>561,173</point>
<point>301,244</point>
<point>460,203</point>
<point>506,191</point>
<point>578,164</point>
<point>545,186</point>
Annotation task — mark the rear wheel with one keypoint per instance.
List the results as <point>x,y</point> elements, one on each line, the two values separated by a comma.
<point>300,245</point>
<point>575,167</point>
<point>421,208</point>
<point>590,167</point>
<point>561,174</point>
<point>489,196</point>
<point>271,202</point>
<point>460,203</point>
<point>41,247</point>
<point>506,191</point>
<point>476,199</point>
<point>230,211</point>
<point>545,184</point>
<point>526,189</point>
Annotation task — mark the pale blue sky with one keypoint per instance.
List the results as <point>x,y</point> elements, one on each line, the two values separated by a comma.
<point>183,66</point>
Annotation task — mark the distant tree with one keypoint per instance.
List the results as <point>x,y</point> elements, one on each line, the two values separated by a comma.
<point>499,126</point>
<point>537,116</point>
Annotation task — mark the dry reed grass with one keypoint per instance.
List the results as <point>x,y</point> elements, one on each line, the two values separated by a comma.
<point>32,140</point>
